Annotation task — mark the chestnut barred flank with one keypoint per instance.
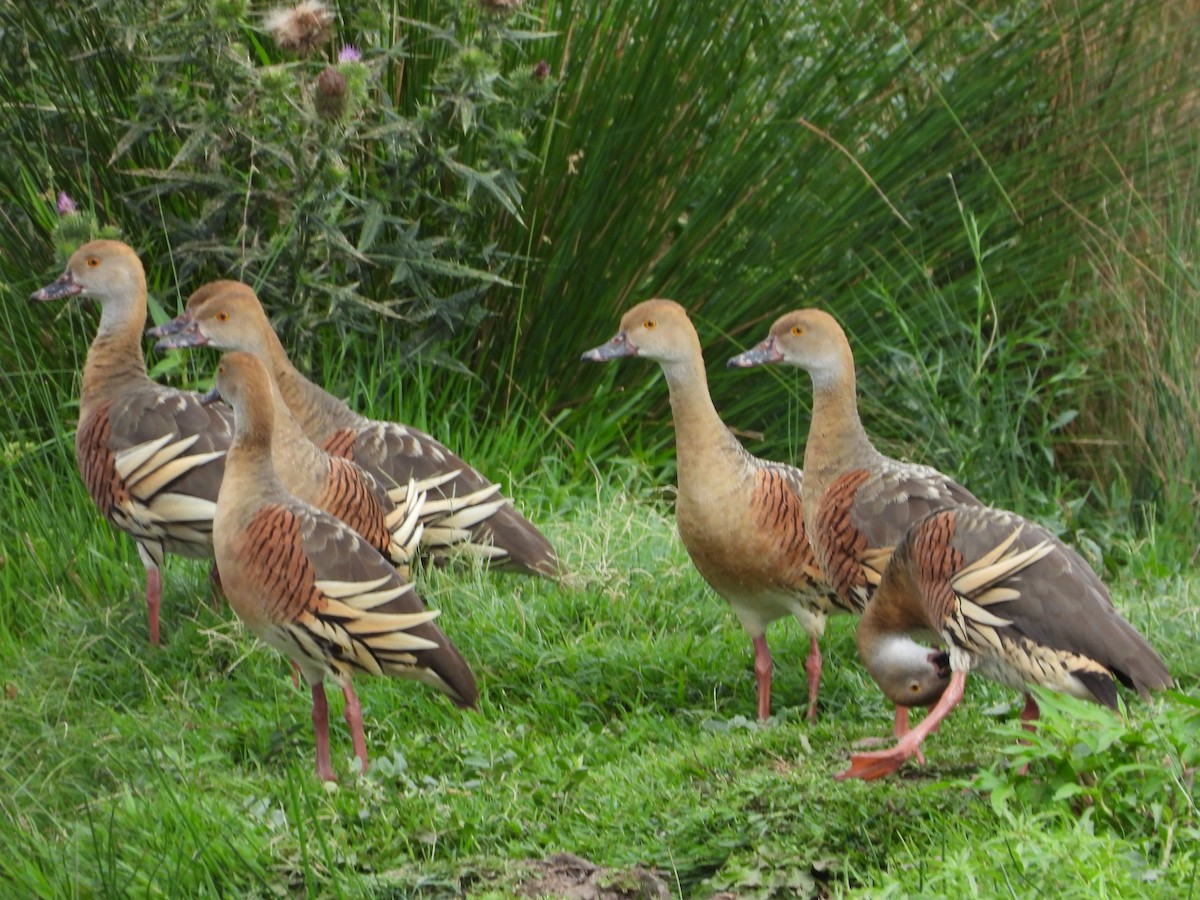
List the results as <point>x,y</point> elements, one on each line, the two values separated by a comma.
<point>308,584</point>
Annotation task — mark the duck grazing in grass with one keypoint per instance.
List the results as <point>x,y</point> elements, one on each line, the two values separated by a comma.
<point>464,513</point>
<point>740,517</point>
<point>310,586</point>
<point>858,503</point>
<point>1009,600</point>
<point>151,457</point>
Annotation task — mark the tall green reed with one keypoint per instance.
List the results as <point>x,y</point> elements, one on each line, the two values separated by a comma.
<point>896,168</point>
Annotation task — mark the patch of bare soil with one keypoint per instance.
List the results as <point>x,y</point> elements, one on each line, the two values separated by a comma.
<point>565,876</point>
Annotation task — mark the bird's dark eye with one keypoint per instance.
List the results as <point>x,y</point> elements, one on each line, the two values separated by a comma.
<point>798,330</point>
<point>222,316</point>
<point>93,261</point>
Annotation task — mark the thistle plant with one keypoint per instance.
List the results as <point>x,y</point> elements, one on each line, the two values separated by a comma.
<point>301,152</point>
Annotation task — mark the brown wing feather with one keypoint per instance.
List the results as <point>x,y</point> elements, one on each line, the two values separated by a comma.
<point>865,513</point>
<point>395,454</point>
<point>1059,602</point>
<point>349,497</point>
<point>899,494</point>
<point>139,416</point>
<point>340,443</point>
<point>178,445</point>
<point>289,549</point>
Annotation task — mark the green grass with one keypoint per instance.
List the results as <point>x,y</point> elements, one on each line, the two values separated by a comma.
<point>1029,324</point>
<point>615,723</point>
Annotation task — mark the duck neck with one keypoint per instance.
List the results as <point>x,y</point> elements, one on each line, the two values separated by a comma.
<point>889,613</point>
<point>291,447</point>
<point>699,432</point>
<point>885,637</point>
<point>115,359</point>
<point>837,441</point>
<point>249,460</point>
<point>317,411</point>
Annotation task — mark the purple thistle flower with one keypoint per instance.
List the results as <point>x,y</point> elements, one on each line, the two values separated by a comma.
<point>541,71</point>
<point>66,205</point>
<point>349,54</point>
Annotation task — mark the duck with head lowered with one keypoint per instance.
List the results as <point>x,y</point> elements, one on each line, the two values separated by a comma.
<point>925,558</point>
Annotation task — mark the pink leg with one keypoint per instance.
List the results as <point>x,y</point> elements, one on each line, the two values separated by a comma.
<point>812,668</point>
<point>869,766</point>
<point>320,717</point>
<point>218,589</point>
<point>353,714</point>
<point>762,673</point>
<point>900,729</point>
<point>1029,715</point>
<point>153,600</point>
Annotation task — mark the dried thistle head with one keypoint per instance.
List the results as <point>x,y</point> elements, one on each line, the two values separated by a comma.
<point>330,99</point>
<point>500,7</point>
<point>301,28</point>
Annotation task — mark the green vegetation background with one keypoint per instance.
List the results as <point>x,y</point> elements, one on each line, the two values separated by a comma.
<point>998,200</point>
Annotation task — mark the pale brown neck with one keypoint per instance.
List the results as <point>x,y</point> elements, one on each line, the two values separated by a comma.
<point>249,460</point>
<point>893,609</point>
<point>699,432</point>
<point>837,442</point>
<point>115,359</point>
<point>292,448</point>
<point>318,412</point>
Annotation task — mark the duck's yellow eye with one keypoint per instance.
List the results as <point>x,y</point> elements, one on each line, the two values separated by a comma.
<point>914,687</point>
<point>649,323</point>
<point>93,261</point>
<point>222,316</point>
<point>797,330</point>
